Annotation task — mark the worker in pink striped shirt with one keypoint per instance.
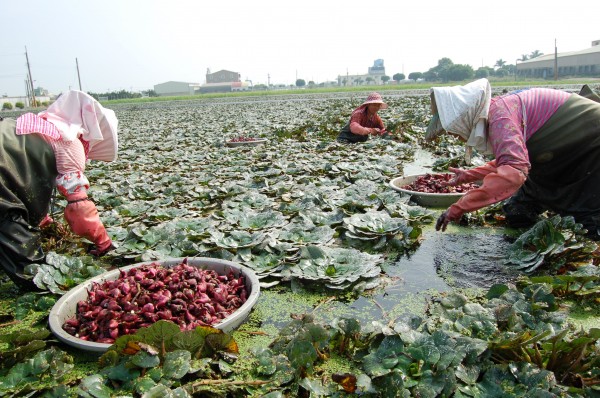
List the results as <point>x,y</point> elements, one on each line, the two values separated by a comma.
<point>546,148</point>
<point>44,151</point>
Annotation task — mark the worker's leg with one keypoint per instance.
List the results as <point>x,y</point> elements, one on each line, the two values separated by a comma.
<point>521,210</point>
<point>19,247</point>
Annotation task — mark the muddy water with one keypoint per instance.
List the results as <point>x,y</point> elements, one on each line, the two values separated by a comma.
<point>459,257</point>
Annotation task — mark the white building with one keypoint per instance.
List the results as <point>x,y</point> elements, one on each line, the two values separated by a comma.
<point>575,63</point>
<point>173,88</point>
<point>373,77</point>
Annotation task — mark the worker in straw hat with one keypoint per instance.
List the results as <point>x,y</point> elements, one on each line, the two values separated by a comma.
<point>364,121</point>
<point>545,143</point>
<point>44,151</point>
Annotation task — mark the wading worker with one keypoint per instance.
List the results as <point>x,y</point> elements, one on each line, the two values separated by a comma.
<point>546,148</point>
<point>44,151</point>
<point>364,121</point>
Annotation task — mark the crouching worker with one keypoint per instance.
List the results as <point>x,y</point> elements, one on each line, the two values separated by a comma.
<point>44,151</point>
<point>364,121</point>
<point>546,145</point>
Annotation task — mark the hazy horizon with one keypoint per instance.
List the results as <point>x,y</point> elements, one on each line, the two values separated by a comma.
<point>135,44</point>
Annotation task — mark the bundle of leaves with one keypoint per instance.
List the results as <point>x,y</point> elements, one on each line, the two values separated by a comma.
<point>377,229</point>
<point>581,283</point>
<point>335,268</point>
<point>516,344</point>
<point>163,361</point>
<point>556,243</point>
<point>61,273</point>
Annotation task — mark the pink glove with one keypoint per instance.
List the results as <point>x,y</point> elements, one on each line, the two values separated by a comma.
<point>471,175</point>
<point>496,187</point>
<point>82,216</point>
<point>46,221</point>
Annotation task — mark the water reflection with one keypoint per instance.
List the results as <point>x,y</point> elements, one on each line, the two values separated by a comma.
<point>458,258</point>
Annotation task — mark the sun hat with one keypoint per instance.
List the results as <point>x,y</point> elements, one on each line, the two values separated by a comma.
<point>75,114</point>
<point>375,98</point>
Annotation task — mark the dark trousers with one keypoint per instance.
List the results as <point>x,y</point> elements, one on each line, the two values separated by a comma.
<point>19,247</point>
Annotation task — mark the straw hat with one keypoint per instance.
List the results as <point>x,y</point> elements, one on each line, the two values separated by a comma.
<point>375,98</point>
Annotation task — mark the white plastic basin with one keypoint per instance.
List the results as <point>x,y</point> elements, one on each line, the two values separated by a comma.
<point>66,306</point>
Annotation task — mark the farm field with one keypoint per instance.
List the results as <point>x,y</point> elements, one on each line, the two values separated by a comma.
<point>359,295</point>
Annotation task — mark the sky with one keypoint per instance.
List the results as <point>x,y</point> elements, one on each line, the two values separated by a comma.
<point>134,44</point>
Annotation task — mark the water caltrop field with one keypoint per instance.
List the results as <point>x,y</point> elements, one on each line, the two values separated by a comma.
<point>359,295</point>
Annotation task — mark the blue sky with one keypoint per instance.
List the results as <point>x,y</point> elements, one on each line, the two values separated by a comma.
<point>134,44</point>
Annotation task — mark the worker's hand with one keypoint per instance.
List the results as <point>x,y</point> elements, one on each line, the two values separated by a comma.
<point>46,221</point>
<point>99,252</point>
<point>442,221</point>
<point>457,179</point>
<point>375,131</point>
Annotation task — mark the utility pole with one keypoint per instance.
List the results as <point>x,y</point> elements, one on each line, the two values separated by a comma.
<point>78,77</point>
<point>27,90</point>
<point>30,79</point>
<point>555,61</point>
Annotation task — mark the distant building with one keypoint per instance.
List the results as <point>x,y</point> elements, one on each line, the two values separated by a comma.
<point>40,99</point>
<point>173,89</point>
<point>373,76</point>
<point>223,81</point>
<point>41,92</point>
<point>575,63</point>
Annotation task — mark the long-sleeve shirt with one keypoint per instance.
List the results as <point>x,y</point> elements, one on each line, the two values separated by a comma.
<point>515,117</point>
<point>70,155</point>
<point>361,123</point>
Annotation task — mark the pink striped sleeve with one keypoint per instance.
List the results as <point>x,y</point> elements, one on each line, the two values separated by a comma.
<point>31,123</point>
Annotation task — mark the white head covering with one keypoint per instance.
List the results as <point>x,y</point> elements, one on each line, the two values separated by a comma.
<point>75,114</point>
<point>463,110</point>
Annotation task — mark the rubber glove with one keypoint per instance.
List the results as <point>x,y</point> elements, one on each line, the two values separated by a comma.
<point>471,175</point>
<point>496,187</point>
<point>46,221</point>
<point>83,218</point>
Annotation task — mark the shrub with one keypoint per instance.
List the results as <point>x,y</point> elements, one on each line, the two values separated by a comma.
<point>7,106</point>
<point>20,105</point>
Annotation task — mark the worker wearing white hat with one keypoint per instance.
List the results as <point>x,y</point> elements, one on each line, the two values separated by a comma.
<point>44,151</point>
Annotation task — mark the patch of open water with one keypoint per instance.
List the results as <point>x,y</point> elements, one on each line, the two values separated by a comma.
<point>460,257</point>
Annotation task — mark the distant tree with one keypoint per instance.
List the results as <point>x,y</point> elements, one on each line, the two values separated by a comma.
<point>415,76</point>
<point>19,105</point>
<point>398,77</point>
<point>385,79</point>
<point>7,106</point>
<point>457,72</point>
<point>524,57</point>
<point>344,81</point>
<point>311,83</point>
<point>300,83</point>
<point>370,80</point>
<point>482,72</point>
<point>150,93</point>
<point>500,63</point>
<point>358,81</point>
<point>260,86</point>
<point>502,72</point>
<point>535,54</point>
<point>439,72</point>
<point>430,75</point>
